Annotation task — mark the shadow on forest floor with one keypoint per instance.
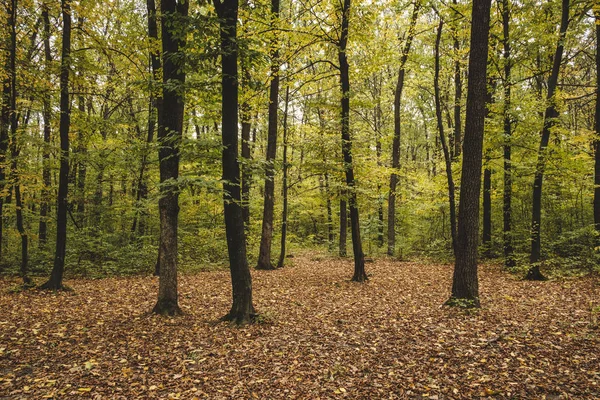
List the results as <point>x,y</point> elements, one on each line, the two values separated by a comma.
<point>320,336</point>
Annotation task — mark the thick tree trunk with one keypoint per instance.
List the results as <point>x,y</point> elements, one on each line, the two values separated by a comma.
<point>56,277</point>
<point>264,255</point>
<point>445,148</point>
<point>509,257</point>
<point>391,217</point>
<point>465,285</point>
<point>284,213</point>
<point>550,116</point>
<point>242,309</point>
<point>170,132</point>
<point>359,258</point>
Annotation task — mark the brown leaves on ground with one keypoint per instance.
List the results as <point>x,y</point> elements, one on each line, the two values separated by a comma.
<point>321,336</point>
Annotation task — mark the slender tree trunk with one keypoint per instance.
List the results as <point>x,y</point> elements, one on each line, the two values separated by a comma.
<point>246,170</point>
<point>264,255</point>
<point>170,131</point>
<point>550,116</point>
<point>46,115</point>
<point>14,122</point>
<point>457,96</point>
<point>397,132</point>
<point>56,276</point>
<point>154,118</point>
<point>597,129</point>
<point>81,166</point>
<point>487,210</point>
<point>509,257</point>
<point>359,258</point>
<point>284,213</point>
<point>242,309</point>
<point>445,148</point>
<point>343,225</point>
<point>465,284</point>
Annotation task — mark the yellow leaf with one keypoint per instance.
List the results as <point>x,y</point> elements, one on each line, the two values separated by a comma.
<point>85,389</point>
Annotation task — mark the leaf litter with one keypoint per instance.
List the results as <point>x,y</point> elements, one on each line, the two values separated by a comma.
<point>319,336</point>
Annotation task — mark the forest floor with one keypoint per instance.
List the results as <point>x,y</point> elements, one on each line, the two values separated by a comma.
<point>320,336</point>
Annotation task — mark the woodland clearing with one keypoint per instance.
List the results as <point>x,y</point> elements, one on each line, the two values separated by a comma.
<point>319,336</point>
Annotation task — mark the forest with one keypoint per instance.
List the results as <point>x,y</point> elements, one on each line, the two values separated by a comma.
<point>300,199</point>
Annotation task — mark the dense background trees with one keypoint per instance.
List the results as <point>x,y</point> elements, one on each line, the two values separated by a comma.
<point>404,87</point>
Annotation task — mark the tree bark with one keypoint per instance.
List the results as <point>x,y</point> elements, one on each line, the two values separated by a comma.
<point>170,129</point>
<point>56,276</point>
<point>509,257</point>
<point>550,116</point>
<point>465,285</point>
<point>242,309</point>
<point>264,255</point>
<point>391,217</point>
<point>284,213</point>
<point>445,148</point>
<point>359,258</point>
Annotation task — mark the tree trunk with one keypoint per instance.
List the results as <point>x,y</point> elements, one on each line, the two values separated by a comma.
<point>597,129</point>
<point>284,213</point>
<point>465,285</point>
<point>170,130</point>
<point>487,210</point>
<point>154,107</point>
<point>246,170</point>
<point>46,116</point>
<point>359,258</point>
<point>343,225</point>
<point>242,309</point>
<point>81,166</point>
<point>56,276</point>
<point>550,116</point>
<point>14,122</point>
<point>509,257</point>
<point>457,95</point>
<point>264,255</point>
<point>445,149</point>
<point>397,132</point>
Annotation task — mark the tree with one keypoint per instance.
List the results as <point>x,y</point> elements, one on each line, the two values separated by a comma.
<point>509,258</point>
<point>46,115</point>
<point>56,276</point>
<point>550,116</point>
<point>284,212</point>
<point>597,127</point>
<point>444,143</point>
<point>359,258</point>
<point>465,285</point>
<point>170,130</point>
<point>264,255</point>
<point>397,130</point>
<point>242,309</point>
